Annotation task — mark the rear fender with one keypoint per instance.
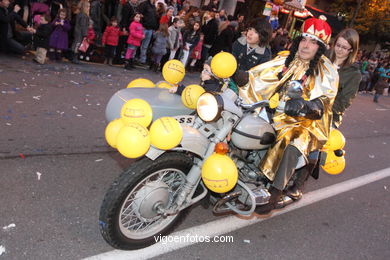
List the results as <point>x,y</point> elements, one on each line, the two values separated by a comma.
<point>193,141</point>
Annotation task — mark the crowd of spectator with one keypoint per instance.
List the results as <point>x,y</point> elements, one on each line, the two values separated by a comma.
<point>134,32</point>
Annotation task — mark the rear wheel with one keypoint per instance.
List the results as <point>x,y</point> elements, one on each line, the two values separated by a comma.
<point>129,215</point>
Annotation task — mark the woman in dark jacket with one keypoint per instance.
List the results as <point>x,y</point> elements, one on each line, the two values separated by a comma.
<point>210,32</point>
<point>343,54</point>
<point>224,40</point>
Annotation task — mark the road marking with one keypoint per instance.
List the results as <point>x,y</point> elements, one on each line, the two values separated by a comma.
<point>232,223</point>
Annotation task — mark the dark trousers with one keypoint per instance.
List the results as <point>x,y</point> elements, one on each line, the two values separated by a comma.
<point>287,167</point>
<point>109,51</point>
<point>18,45</point>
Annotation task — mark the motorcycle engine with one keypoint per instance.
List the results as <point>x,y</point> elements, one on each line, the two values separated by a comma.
<point>253,133</point>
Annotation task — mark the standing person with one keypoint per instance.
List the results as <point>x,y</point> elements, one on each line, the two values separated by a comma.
<point>190,39</point>
<point>150,23</point>
<point>382,82</point>
<point>303,125</point>
<point>110,40</point>
<point>168,17</point>
<point>10,39</point>
<point>210,31</point>
<point>81,29</point>
<point>160,9</point>
<point>59,38</point>
<point>196,54</point>
<point>91,37</point>
<point>192,17</point>
<point>175,37</point>
<point>159,48</point>
<point>224,40</point>
<point>213,5</point>
<point>136,34</point>
<point>253,49</point>
<point>98,17</point>
<point>41,38</point>
<point>343,55</point>
<point>128,12</point>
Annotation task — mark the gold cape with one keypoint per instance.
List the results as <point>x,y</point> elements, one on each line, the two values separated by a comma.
<point>305,134</point>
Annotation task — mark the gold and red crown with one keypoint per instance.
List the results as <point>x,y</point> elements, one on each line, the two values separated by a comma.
<point>318,29</point>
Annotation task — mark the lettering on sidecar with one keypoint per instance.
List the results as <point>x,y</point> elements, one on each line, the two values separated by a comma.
<point>185,120</point>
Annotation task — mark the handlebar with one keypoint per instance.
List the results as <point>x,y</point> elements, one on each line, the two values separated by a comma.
<point>262,103</point>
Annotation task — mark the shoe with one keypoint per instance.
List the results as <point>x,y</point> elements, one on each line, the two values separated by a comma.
<point>156,67</point>
<point>273,202</point>
<point>105,61</point>
<point>294,192</point>
<point>81,57</point>
<point>87,58</point>
<point>110,62</point>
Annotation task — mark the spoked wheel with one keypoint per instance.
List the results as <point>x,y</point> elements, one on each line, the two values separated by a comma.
<point>131,213</point>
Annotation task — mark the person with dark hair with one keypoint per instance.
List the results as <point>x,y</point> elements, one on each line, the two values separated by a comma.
<point>10,39</point>
<point>302,123</point>
<point>150,23</point>
<point>110,40</point>
<point>210,31</point>
<point>41,38</point>
<point>343,54</point>
<point>58,41</point>
<point>252,49</point>
<point>224,40</point>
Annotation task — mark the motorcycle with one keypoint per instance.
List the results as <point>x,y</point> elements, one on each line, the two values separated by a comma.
<point>151,197</point>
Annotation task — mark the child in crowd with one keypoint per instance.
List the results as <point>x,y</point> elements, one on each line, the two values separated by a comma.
<point>110,40</point>
<point>59,38</point>
<point>175,39</point>
<point>41,38</point>
<point>160,38</point>
<point>136,35</point>
<point>196,54</point>
<point>91,37</point>
<point>80,29</point>
<point>191,39</point>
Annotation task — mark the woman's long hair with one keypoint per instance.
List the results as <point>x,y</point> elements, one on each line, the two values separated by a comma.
<point>352,37</point>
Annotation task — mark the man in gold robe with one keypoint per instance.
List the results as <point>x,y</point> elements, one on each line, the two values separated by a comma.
<point>303,124</point>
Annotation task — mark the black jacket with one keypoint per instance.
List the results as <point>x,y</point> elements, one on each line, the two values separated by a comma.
<point>191,38</point>
<point>223,42</point>
<point>149,20</point>
<point>128,12</point>
<point>41,37</point>
<point>210,31</point>
<point>247,61</point>
<point>8,18</point>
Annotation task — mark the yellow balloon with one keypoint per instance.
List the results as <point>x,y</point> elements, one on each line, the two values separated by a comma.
<point>112,131</point>
<point>165,133</point>
<point>163,84</point>
<point>133,140</point>
<point>140,83</point>
<point>173,71</point>
<point>336,140</point>
<point>137,111</point>
<point>191,94</point>
<point>219,173</point>
<point>333,164</point>
<point>223,65</point>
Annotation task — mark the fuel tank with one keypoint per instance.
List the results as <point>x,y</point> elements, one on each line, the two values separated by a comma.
<point>162,102</point>
<point>253,133</point>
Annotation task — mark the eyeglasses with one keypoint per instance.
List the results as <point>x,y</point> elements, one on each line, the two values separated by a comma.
<point>342,47</point>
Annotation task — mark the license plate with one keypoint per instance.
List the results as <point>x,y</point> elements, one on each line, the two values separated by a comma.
<point>185,120</point>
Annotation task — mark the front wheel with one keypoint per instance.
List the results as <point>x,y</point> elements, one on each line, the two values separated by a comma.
<point>129,215</point>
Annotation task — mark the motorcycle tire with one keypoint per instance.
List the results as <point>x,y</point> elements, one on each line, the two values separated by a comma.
<point>111,219</point>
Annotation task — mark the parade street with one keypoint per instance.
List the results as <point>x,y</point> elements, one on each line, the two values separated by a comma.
<point>55,167</point>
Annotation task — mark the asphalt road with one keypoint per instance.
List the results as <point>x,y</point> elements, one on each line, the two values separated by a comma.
<point>55,167</point>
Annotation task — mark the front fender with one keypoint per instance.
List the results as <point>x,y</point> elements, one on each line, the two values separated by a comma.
<point>193,141</point>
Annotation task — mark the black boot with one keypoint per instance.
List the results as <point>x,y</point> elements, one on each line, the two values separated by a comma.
<point>131,63</point>
<point>58,56</point>
<point>151,66</point>
<point>155,68</point>
<point>127,65</point>
<point>52,55</point>
<point>273,201</point>
<point>74,58</point>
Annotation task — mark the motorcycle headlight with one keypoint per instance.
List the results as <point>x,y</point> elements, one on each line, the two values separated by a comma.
<point>209,107</point>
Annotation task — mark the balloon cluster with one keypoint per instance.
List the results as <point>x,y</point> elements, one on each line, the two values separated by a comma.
<point>130,133</point>
<point>335,161</point>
